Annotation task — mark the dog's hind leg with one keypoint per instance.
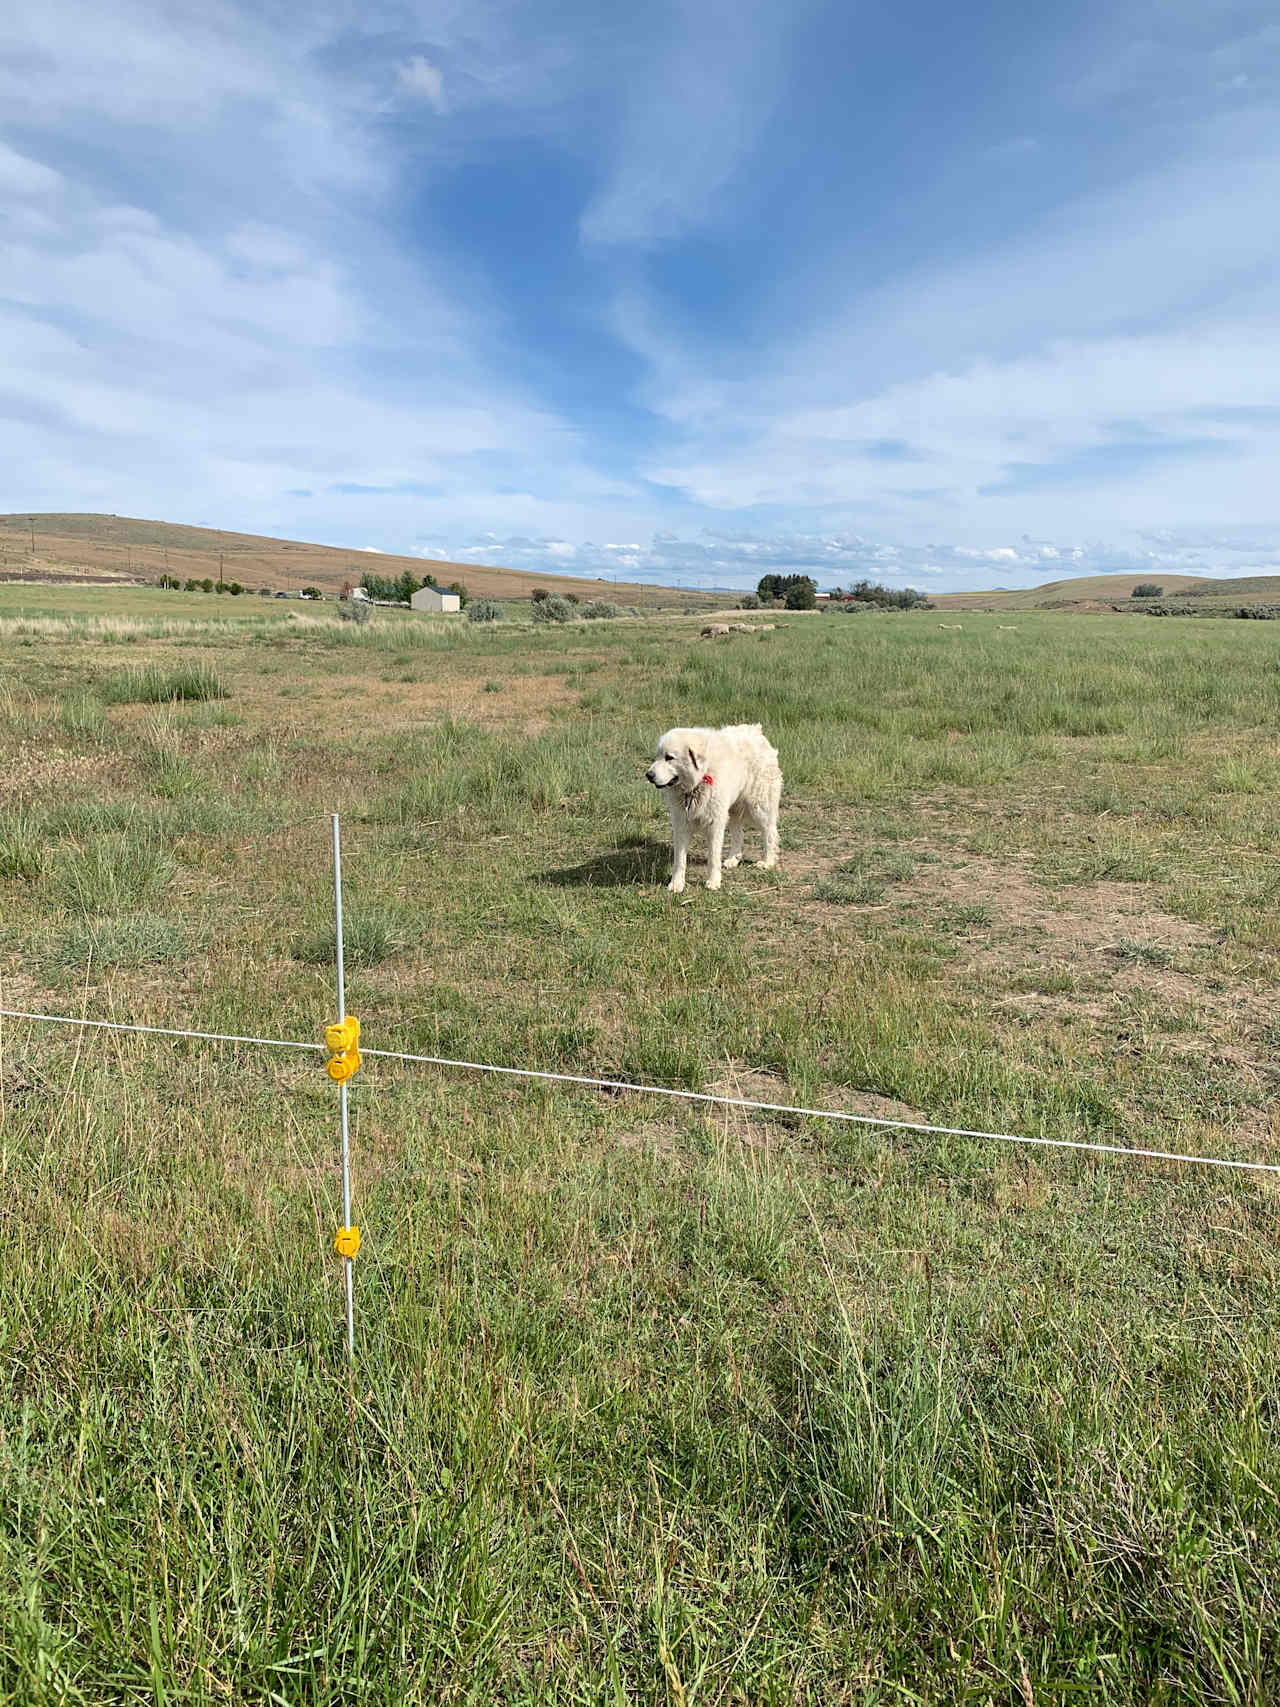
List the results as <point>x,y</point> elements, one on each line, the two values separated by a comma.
<point>736,832</point>
<point>770,828</point>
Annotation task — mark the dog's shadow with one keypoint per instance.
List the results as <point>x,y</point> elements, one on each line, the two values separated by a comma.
<point>637,861</point>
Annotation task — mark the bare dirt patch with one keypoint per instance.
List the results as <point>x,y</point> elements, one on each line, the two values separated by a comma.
<point>1092,919</point>
<point>754,1086</point>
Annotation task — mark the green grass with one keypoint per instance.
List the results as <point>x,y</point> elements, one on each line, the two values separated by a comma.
<point>21,846</point>
<point>369,935</point>
<point>113,873</point>
<point>654,1403</point>
<point>149,685</point>
<point>136,939</point>
<point>81,715</point>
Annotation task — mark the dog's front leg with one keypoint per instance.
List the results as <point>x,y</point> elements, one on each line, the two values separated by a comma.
<point>715,849</point>
<point>679,851</point>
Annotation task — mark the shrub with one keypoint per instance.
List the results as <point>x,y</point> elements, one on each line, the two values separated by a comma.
<point>485,610</point>
<point>538,594</point>
<point>1146,590</point>
<point>150,685</point>
<point>307,592</point>
<point>750,601</point>
<point>802,594</point>
<point>168,581</point>
<point>552,610</point>
<point>235,589</point>
<point>597,610</point>
<point>885,598</point>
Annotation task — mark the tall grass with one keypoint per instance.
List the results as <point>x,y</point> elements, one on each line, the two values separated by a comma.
<point>21,845</point>
<point>150,684</point>
<point>480,779</point>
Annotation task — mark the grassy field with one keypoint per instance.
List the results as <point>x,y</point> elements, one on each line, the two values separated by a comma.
<point>653,1404</point>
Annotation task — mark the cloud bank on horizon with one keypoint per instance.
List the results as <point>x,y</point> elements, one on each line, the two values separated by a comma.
<point>947,296</point>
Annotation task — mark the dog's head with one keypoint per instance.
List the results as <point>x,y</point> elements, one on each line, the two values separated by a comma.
<point>679,761</point>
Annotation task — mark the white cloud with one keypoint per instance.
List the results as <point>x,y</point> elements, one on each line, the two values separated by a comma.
<point>689,119</point>
<point>421,77</point>
<point>21,176</point>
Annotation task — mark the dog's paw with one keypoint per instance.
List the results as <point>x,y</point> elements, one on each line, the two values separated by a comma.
<point>674,888</point>
<point>768,865</point>
<point>713,883</point>
<point>731,862</point>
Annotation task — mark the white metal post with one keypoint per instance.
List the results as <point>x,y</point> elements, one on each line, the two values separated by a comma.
<point>342,1089</point>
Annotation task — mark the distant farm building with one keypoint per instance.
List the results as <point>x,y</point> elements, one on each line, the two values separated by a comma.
<point>435,598</point>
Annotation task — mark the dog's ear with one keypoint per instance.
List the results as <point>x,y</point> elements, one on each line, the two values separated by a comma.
<point>694,760</point>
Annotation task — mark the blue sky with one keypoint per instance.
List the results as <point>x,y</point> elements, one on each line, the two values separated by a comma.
<point>956,296</point>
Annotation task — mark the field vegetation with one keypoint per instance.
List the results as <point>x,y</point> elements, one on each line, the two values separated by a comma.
<point>654,1402</point>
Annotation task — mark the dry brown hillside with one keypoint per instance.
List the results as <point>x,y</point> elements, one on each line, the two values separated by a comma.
<point>1083,592</point>
<point>127,548</point>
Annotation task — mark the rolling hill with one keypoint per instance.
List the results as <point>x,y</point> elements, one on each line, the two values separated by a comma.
<point>104,548</point>
<point>1098,592</point>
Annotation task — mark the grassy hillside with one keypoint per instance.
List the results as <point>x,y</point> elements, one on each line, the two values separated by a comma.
<point>1092,590</point>
<point>128,548</point>
<point>656,1403</point>
<point>1096,592</point>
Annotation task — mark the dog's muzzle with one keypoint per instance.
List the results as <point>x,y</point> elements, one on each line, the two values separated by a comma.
<point>649,777</point>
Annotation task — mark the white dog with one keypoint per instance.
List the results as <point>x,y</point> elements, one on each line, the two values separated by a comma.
<point>718,779</point>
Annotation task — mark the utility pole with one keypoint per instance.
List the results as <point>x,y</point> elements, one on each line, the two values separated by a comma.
<point>219,571</point>
<point>32,520</point>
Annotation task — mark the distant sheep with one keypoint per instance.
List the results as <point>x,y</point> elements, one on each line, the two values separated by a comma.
<point>718,630</point>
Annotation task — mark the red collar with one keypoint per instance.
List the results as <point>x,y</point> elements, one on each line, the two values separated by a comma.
<point>708,781</point>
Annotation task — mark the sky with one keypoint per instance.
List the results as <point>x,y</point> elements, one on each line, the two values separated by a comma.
<point>949,296</point>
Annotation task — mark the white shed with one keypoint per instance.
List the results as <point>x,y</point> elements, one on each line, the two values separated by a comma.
<point>435,598</point>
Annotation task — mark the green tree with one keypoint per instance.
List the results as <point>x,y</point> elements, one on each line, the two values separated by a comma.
<point>802,594</point>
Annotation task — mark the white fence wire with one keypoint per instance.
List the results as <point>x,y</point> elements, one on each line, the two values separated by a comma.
<point>714,1098</point>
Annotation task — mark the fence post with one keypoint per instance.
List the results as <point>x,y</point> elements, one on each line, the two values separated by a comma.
<point>348,1261</point>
